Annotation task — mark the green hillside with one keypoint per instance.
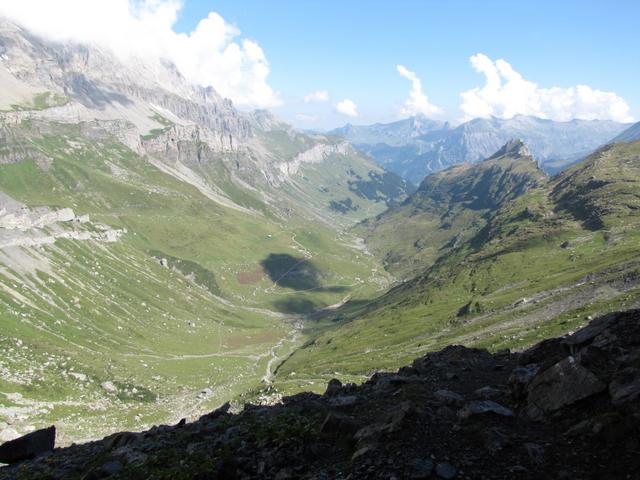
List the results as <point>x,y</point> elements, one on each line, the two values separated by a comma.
<point>538,265</point>
<point>190,307</point>
<point>449,208</point>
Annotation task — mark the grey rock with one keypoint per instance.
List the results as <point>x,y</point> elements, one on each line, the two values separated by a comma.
<point>524,374</point>
<point>592,330</point>
<point>488,392</point>
<point>285,474</point>
<point>338,423</point>
<point>496,439</point>
<point>563,384</point>
<point>112,467</point>
<point>447,397</point>
<point>109,387</point>
<point>371,433</point>
<point>399,416</point>
<point>121,439</point>
<point>535,452</point>
<point>363,451</point>
<point>478,407</point>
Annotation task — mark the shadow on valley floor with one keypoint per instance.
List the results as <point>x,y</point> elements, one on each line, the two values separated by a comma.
<point>296,305</point>
<point>298,274</point>
<point>292,272</point>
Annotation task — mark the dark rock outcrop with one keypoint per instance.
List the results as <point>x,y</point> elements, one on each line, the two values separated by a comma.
<point>458,413</point>
<point>28,446</point>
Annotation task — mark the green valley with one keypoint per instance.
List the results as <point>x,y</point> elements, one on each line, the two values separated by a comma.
<point>188,306</point>
<point>539,264</point>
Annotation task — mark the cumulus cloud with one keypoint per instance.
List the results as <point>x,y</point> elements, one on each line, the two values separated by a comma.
<point>347,107</point>
<point>213,54</point>
<point>417,103</point>
<point>318,96</point>
<point>506,94</point>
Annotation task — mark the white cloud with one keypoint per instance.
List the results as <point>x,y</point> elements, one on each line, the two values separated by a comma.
<point>213,54</point>
<point>347,107</point>
<point>318,96</point>
<point>417,103</point>
<point>506,94</point>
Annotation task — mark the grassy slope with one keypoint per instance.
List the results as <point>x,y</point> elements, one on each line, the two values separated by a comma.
<point>448,208</point>
<point>111,312</point>
<point>538,268</point>
<point>349,186</point>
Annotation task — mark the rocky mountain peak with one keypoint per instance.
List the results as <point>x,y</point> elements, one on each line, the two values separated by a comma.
<point>514,148</point>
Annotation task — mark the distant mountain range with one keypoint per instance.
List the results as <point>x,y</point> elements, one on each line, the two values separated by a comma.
<point>415,147</point>
<point>631,134</point>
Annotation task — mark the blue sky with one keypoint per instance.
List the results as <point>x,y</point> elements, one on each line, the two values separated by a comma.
<point>351,48</point>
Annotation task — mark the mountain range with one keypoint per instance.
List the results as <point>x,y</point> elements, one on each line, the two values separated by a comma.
<point>157,246</point>
<point>416,147</point>
<point>495,254</point>
<point>163,254</point>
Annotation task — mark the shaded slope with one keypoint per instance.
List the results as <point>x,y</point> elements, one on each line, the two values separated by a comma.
<point>565,407</point>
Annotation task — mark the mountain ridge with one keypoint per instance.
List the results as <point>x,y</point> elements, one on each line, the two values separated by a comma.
<point>553,144</point>
<point>530,268</point>
<point>448,203</point>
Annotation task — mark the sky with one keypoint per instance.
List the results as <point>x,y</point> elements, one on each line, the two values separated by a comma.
<point>323,63</point>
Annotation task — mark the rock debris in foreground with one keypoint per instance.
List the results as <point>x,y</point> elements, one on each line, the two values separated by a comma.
<point>564,409</point>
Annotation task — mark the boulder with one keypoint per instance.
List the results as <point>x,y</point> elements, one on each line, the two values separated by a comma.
<point>520,379</point>
<point>109,387</point>
<point>488,392</point>
<point>333,387</point>
<point>28,446</point>
<point>447,397</point>
<point>592,330</point>
<point>563,384</point>
<point>338,424</point>
<point>478,407</point>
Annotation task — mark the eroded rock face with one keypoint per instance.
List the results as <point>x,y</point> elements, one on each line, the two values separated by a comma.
<point>24,227</point>
<point>456,413</point>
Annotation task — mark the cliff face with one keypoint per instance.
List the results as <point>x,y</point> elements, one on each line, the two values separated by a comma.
<point>562,409</point>
<point>86,82</point>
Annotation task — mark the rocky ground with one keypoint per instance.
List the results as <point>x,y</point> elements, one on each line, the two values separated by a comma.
<point>568,408</point>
